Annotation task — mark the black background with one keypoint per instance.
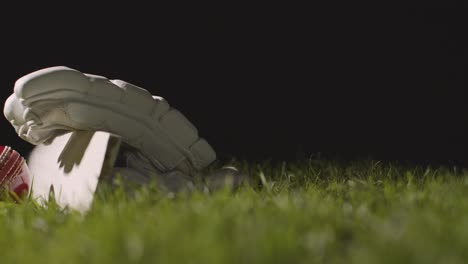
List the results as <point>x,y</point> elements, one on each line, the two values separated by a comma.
<point>349,84</point>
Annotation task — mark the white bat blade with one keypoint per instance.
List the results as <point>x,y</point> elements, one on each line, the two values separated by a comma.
<point>72,163</point>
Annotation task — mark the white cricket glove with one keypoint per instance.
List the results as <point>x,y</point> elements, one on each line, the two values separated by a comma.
<point>51,101</point>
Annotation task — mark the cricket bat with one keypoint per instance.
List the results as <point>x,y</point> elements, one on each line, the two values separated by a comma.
<point>70,167</point>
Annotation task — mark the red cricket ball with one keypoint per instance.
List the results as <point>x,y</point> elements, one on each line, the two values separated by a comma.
<point>14,172</point>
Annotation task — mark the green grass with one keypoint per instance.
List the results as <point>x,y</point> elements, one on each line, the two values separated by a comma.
<point>311,212</point>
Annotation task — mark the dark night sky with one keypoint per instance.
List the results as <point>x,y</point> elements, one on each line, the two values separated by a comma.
<point>349,84</point>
